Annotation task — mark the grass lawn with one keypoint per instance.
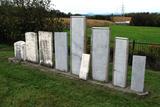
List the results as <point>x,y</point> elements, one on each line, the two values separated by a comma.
<point>22,86</point>
<point>143,34</point>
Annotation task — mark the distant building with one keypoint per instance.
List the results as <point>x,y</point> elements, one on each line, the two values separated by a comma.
<point>121,20</point>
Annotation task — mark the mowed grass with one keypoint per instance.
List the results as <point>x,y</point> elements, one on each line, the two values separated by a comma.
<point>142,34</point>
<point>23,86</point>
<point>138,33</point>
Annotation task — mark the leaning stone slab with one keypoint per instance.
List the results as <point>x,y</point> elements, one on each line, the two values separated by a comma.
<point>84,69</point>
<point>20,50</point>
<point>61,51</point>
<point>100,53</point>
<point>31,47</point>
<point>45,48</point>
<point>78,28</point>
<point>138,73</point>
<point>120,62</point>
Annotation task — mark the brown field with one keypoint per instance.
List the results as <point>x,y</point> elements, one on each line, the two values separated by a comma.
<point>121,19</point>
<point>91,22</point>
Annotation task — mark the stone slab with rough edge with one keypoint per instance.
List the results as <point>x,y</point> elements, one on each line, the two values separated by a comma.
<point>84,69</point>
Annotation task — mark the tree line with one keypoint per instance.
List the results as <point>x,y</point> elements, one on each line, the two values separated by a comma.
<point>145,19</point>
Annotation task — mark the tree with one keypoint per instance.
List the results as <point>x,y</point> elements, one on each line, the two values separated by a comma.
<point>20,16</point>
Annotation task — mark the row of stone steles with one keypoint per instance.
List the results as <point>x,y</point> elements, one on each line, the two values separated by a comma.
<point>39,49</point>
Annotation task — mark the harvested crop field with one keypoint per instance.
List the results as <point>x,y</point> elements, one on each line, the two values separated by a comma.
<point>91,22</point>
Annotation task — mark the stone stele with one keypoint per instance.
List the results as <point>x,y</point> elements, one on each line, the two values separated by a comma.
<point>61,51</point>
<point>120,62</point>
<point>20,50</point>
<point>100,53</point>
<point>84,69</point>
<point>31,47</point>
<point>138,73</point>
<point>46,48</point>
<point>78,28</point>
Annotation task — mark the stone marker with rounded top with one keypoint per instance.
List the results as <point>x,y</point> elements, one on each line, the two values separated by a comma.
<point>138,73</point>
<point>78,28</point>
<point>31,47</point>
<point>20,50</point>
<point>100,53</point>
<point>120,62</point>
<point>46,48</point>
<point>61,51</point>
<point>84,69</point>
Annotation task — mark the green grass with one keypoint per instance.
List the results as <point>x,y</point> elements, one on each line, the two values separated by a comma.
<point>22,86</point>
<point>144,34</point>
<point>138,33</point>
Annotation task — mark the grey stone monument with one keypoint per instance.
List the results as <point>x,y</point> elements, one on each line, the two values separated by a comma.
<point>46,48</point>
<point>31,47</point>
<point>78,28</point>
<point>120,62</point>
<point>61,51</point>
<point>100,53</point>
<point>84,69</point>
<point>20,50</point>
<point>138,73</point>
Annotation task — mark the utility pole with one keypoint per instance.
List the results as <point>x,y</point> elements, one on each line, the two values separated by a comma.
<point>123,8</point>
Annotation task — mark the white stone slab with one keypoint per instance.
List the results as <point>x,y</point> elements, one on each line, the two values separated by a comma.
<point>138,73</point>
<point>120,62</point>
<point>20,50</point>
<point>78,28</point>
<point>84,69</point>
<point>100,53</point>
<point>61,51</point>
<point>31,47</point>
<point>46,48</point>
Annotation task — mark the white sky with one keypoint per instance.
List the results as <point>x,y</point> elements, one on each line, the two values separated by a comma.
<point>106,6</point>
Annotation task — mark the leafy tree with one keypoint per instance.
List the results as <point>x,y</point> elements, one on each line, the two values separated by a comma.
<point>20,16</point>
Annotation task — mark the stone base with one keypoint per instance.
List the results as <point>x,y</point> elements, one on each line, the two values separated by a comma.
<point>14,60</point>
<point>72,76</point>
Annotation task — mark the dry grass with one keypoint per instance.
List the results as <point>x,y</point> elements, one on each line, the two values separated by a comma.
<point>91,22</point>
<point>121,19</point>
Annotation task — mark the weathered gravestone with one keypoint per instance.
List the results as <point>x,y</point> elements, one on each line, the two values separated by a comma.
<point>78,28</point>
<point>100,53</point>
<point>138,73</point>
<point>61,51</point>
<point>31,47</point>
<point>20,50</point>
<point>45,48</point>
<point>84,68</point>
<point>120,62</point>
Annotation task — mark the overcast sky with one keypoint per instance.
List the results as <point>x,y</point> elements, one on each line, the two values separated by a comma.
<point>106,6</point>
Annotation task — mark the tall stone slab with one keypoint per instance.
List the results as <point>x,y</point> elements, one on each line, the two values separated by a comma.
<point>31,47</point>
<point>100,53</point>
<point>120,62</point>
<point>61,51</point>
<point>46,48</point>
<point>20,50</point>
<point>84,69</point>
<point>138,73</point>
<point>78,28</point>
